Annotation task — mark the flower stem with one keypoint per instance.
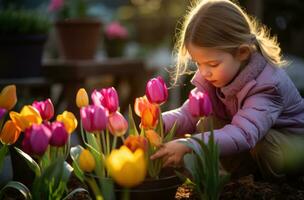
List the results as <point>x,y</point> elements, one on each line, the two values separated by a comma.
<point>93,185</point>
<point>125,194</point>
<point>114,142</point>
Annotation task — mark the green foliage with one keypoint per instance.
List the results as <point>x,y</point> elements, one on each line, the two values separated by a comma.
<point>204,165</point>
<point>14,22</point>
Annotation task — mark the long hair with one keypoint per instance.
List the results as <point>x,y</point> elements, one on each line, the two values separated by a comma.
<point>223,25</point>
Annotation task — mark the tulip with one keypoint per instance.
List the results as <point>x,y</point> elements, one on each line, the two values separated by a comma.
<point>69,120</point>
<point>156,90</point>
<point>128,169</point>
<point>86,161</point>
<point>117,125</point>
<point>39,138</point>
<point>8,97</point>
<point>93,118</point>
<point>59,134</point>
<point>55,5</point>
<point>153,138</point>
<point>199,104</point>
<point>45,108</point>
<point>26,144</point>
<point>134,142</point>
<point>82,98</point>
<point>149,118</point>
<point>141,104</point>
<point>9,133</point>
<point>107,97</point>
<point>29,115</point>
<point>2,112</point>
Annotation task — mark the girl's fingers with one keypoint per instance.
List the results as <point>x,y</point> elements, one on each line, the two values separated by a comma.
<point>160,153</point>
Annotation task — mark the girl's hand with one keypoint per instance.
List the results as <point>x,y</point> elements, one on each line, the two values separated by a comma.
<point>172,153</point>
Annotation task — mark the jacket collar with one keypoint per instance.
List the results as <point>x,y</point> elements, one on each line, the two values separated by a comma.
<point>255,66</point>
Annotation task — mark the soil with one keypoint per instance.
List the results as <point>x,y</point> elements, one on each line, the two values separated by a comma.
<point>250,189</point>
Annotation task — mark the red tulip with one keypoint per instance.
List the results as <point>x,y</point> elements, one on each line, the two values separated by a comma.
<point>107,97</point>
<point>39,138</point>
<point>117,125</point>
<point>59,134</point>
<point>45,108</point>
<point>94,118</point>
<point>199,104</point>
<point>156,90</point>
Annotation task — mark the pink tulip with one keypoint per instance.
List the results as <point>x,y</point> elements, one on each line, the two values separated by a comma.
<point>39,138</point>
<point>94,118</point>
<point>45,108</point>
<point>106,97</point>
<point>26,145</point>
<point>117,125</point>
<point>59,134</point>
<point>55,5</point>
<point>156,90</point>
<point>199,104</point>
<point>2,112</point>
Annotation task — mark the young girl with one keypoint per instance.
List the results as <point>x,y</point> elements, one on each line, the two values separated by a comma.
<point>239,68</point>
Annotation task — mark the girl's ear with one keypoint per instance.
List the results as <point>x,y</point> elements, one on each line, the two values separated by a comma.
<point>243,52</point>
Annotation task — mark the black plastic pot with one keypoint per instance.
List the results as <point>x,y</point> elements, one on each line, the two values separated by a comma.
<point>20,55</point>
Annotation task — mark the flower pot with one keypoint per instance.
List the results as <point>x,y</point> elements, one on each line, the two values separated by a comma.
<point>115,47</point>
<point>78,38</point>
<point>20,55</point>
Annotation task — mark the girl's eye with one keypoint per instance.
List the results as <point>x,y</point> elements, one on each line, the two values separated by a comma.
<point>213,64</point>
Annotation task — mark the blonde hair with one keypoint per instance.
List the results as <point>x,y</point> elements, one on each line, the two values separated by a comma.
<point>222,24</point>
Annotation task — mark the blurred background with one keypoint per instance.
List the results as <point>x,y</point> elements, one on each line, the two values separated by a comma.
<point>143,34</point>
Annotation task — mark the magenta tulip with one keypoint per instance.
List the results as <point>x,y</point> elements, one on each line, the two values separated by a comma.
<point>106,97</point>
<point>117,125</point>
<point>26,145</point>
<point>59,134</point>
<point>45,108</point>
<point>2,112</point>
<point>39,138</point>
<point>199,104</point>
<point>94,118</point>
<point>156,90</point>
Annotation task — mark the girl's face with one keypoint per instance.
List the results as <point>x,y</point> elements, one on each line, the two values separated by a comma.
<point>216,66</point>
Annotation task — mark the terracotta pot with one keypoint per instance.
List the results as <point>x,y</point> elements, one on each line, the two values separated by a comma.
<point>78,38</point>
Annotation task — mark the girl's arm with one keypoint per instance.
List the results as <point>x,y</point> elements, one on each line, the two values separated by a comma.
<point>257,115</point>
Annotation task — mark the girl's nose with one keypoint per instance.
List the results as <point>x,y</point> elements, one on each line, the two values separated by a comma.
<point>206,73</point>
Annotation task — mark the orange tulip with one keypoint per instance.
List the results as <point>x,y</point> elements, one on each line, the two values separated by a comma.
<point>82,98</point>
<point>10,133</point>
<point>149,118</point>
<point>69,120</point>
<point>142,103</point>
<point>134,142</point>
<point>8,97</point>
<point>29,115</point>
<point>154,138</point>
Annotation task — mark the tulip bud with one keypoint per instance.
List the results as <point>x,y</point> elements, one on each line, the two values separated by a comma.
<point>69,120</point>
<point>156,90</point>
<point>39,139</point>
<point>8,97</point>
<point>154,138</point>
<point>107,97</point>
<point>82,98</point>
<point>2,112</point>
<point>59,134</point>
<point>117,125</point>
<point>9,133</point>
<point>45,108</point>
<point>26,144</point>
<point>86,161</point>
<point>29,115</point>
<point>93,118</point>
<point>199,104</point>
<point>134,142</point>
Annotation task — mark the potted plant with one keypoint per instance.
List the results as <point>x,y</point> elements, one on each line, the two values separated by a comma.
<point>22,36</point>
<point>78,33</point>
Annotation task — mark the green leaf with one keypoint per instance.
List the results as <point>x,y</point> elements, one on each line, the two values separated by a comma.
<point>75,191</point>
<point>171,133</point>
<point>3,152</point>
<point>75,152</point>
<point>19,187</point>
<point>30,162</point>
<point>132,126</point>
<point>160,125</point>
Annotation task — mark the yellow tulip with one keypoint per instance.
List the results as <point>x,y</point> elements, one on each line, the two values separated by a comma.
<point>128,169</point>
<point>8,97</point>
<point>10,133</point>
<point>86,161</point>
<point>82,98</point>
<point>69,120</point>
<point>154,138</point>
<point>29,115</point>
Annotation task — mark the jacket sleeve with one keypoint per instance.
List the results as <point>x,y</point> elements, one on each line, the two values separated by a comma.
<point>257,115</point>
<point>185,122</point>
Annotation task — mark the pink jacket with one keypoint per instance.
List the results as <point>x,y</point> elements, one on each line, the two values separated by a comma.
<point>261,97</point>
